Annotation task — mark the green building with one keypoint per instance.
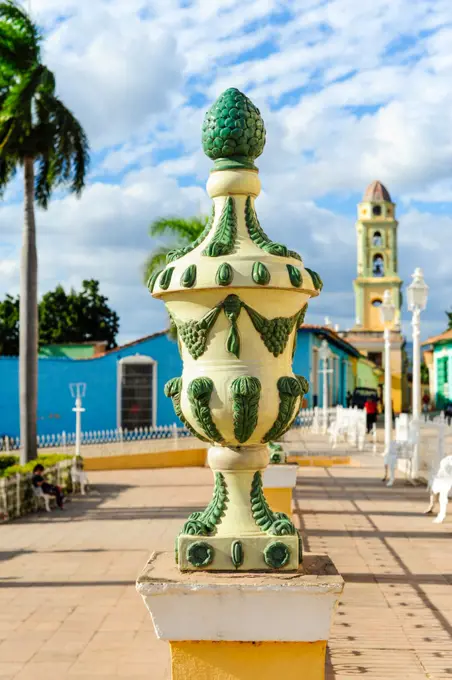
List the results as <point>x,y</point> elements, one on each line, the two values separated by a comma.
<point>438,358</point>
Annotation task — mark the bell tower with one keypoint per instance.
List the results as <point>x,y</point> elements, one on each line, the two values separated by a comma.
<point>376,229</point>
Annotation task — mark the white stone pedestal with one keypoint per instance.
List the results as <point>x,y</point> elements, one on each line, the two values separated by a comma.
<point>243,625</point>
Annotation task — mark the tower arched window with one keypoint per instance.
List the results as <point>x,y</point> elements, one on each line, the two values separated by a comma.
<point>376,210</point>
<point>377,239</point>
<point>378,268</point>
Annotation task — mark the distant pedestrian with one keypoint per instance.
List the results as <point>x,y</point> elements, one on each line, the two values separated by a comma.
<point>371,413</point>
<point>349,399</point>
<point>425,406</point>
<point>448,412</point>
<point>39,481</point>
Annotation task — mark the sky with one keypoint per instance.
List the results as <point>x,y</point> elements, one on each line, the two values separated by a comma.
<point>350,91</point>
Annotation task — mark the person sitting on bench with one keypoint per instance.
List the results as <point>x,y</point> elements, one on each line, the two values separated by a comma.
<point>38,481</point>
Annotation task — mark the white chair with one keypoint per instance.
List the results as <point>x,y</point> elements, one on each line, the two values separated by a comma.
<point>79,475</point>
<point>40,495</point>
<point>441,486</point>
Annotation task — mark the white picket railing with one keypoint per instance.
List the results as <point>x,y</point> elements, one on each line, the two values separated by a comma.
<point>92,437</point>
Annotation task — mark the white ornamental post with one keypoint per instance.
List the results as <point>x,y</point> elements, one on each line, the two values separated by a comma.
<point>387,311</point>
<point>78,391</point>
<point>325,355</point>
<point>417,302</point>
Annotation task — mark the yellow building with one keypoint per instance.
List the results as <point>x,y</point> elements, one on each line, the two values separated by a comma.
<point>377,271</point>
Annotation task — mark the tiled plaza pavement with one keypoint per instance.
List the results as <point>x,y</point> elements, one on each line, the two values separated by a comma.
<point>68,607</point>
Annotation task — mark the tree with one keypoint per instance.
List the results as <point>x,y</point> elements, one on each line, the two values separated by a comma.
<point>424,374</point>
<point>63,318</point>
<point>185,230</point>
<point>9,326</point>
<point>449,319</point>
<point>37,133</point>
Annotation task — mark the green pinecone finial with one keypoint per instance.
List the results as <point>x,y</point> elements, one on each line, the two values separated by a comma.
<point>233,132</point>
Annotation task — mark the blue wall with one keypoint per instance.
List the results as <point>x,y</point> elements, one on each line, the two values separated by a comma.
<point>55,402</point>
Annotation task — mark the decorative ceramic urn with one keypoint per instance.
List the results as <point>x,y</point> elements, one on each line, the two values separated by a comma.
<point>237,299</point>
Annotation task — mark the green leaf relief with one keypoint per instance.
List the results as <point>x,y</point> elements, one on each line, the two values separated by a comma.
<point>199,393</point>
<point>173,389</point>
<point>275,523</point>
<point>188,278</point>
<point>204,523</point>
<point>223,240</point>
<point>260,509</point>
<point>237,555</point>
<point>260,238</point>
<point>316,280</point>
<point>260,274</point>
<point>274,332</point>
<point>232,307</point>
<point>180,252</point>
<point>295,276</point>
<point>165,278</point>
<point>224,275</point>
<point>302,315</point>
<point>298,324</point>
<point>304,384</point>
<point>276,555</point>
<point>152,280</point>
<point>289,395</point>
<point>245,392</point>
<point>195,334</point>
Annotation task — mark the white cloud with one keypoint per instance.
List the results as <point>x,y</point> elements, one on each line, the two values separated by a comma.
<point>349,91</point>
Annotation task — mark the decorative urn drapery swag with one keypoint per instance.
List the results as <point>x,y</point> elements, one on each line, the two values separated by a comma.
<point>237,299</point>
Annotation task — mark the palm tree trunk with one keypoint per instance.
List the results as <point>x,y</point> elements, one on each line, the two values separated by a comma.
<point>28,322</point>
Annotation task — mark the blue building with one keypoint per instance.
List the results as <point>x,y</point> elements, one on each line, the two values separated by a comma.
<point>124,386</point>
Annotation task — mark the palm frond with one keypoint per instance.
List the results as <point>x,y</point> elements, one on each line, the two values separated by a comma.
<point>62,140</point>
<point>7,172</point>
<point>20,38</point>
<point>186,229</point>
<point>155,261</point>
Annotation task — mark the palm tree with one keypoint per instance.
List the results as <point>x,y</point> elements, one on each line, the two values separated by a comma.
<point>37,133</point>
<point>185,230</point>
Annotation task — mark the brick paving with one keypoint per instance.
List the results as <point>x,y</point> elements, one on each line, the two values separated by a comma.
<point>68,606</point>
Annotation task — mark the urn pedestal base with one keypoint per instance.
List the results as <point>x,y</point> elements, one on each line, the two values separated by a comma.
<point>239,531</point>
<point>256,552</point>
<point>243,626</point>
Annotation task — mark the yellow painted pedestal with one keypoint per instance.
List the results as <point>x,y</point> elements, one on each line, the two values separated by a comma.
<point>280,500</point>
<point>243,626</point>
<point>248,660</point>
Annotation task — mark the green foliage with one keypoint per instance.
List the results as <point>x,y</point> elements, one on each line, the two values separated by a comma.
<point>7,460</point>
<point>449,319</point>
<point>34,122</point>
<point>63,318</point>
<point>424,374</point>
<point>9,326</point>
<point>47,460</point>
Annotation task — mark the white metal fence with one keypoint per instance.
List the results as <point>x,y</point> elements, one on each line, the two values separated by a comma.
<point>314,420</point>
<point>95,437</point>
